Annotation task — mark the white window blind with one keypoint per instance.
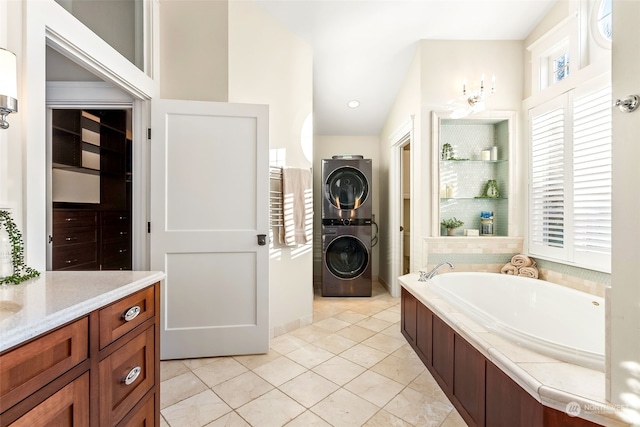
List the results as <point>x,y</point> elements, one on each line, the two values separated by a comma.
<point>570,181</point>
<point>547,211</point>
<point>592,174</point>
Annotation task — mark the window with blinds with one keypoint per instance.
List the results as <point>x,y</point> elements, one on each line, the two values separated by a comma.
<point>592,174</point>
<point>570,182</point>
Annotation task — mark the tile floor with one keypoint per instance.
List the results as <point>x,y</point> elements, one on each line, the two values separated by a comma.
<point>351,367</point>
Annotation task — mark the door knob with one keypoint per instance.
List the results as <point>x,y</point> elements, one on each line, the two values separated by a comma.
<point>262,239</point>
<point>629,104</point>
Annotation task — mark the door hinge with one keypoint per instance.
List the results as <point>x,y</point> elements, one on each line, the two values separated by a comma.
<point>148,227</point>
<point>149,133</point>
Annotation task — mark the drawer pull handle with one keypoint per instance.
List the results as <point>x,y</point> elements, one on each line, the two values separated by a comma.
<point>68,239</point>
<point>122,218</point>
<point>122,251</point>
<point>70,219</point>
<point>123,233</point>
<point>132,375</point>
<point>132,313</point>
<point>69,261</point>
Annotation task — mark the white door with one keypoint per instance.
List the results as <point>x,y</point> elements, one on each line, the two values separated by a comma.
<point>209,202</point>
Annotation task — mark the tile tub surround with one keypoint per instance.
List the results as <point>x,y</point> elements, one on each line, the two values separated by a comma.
<point>553,383</point>
<point>57,297</point>
<point>350,367</point>
<point>490,254</point>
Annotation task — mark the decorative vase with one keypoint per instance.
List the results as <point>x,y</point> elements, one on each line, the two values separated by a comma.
<point>451,231</point>
<point>492,189</point>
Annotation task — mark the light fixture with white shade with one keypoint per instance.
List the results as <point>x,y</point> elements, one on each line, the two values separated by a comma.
<point>354,103</point>
<point>8,86</point>
<point>478,96</point>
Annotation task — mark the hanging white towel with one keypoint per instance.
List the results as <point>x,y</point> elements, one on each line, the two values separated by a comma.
<point>297,198</point>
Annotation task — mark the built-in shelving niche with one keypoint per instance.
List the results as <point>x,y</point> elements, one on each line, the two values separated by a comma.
<point>459,188</point>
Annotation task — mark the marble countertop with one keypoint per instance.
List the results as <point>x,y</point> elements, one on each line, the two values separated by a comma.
<point>56,297</point>
<point>552,382</point>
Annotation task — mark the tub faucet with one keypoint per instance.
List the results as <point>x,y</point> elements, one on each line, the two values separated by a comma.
<point>436,268</point>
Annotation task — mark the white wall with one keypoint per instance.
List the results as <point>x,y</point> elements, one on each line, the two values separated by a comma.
<point>326,147</point>
<point>194,50</point>
<point>406,105</point>
<point>436,77</point>
<point>270,65</point>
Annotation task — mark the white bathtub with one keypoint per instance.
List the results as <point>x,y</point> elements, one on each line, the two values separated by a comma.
<point>550,319</point>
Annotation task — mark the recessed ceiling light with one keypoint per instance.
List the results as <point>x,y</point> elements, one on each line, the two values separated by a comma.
<point>353,103</point>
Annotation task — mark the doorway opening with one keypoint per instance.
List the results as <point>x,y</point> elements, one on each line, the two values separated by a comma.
<point>91,189</point>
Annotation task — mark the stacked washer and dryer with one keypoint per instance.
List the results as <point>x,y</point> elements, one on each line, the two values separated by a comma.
<point>346,226</point>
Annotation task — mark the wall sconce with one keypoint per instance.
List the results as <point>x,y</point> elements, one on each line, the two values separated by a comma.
<point>8,86</point>
<point>478,96</point>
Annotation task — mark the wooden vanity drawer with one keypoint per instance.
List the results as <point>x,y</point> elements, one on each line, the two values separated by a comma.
<point>142,416</point>
<point>25,369</point>
<point>113,318</point>
<point>69,407</point>
<point>126,376</point>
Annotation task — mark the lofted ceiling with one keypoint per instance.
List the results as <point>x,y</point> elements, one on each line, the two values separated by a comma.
<point>362,49</point>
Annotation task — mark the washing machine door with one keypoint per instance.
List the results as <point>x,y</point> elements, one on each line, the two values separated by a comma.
<point>347,257</point>
<point>346,188</point>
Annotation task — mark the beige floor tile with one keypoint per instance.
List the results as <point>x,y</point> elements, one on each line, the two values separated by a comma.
<point>200,362</point>
<point>172,368</point>
<point>310,356</point>
<point>310,333</point>
<point>356,333</point>
<point>279,371</point>
<point>179,388</point>
<point>332,324</point>
<point>308,388</point>
<point>393,331</point>
<point>286,343</point>
<point>427,385</point>
<point>396,308</point>
<point>229,420</point>
<point>417,409</point>
<point>385,343</point>
<point>454,420</point>
<point>335,343</point>
<point>366,308</point>
<point>374,387</point>
<point>308,419</point>
<point>252,361</point>
<point>242,389</point>
<point>219,370</point>
<point>383,418</point>
<point>405,352</point>
<point>345,409</point>
<point>374,324</point>
<point>163,422</point>
<point>273,409</point>
<point>400,370</point>
<point>196,411</point>
<point>351,316</point>
<point>339,370</point>
<point>363,355</point>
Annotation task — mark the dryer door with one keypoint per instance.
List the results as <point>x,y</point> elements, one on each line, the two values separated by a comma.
<point>346,188</point>
<point>347,257</point>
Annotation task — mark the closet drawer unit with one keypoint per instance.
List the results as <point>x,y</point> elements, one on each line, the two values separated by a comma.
<point>64,236</point>
<point>123,316</point>
<point>115,226</point>
<point>74,218</point>
<point>126,375</point>
<point>25,369</point>
<point>75,256</point>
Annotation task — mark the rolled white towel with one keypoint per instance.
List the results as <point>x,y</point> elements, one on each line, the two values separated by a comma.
<point>509,269</point>
<point>531,272</point>
<point>521,260</point>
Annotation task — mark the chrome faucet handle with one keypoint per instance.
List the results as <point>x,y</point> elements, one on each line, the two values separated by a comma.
<point>423,276</point>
